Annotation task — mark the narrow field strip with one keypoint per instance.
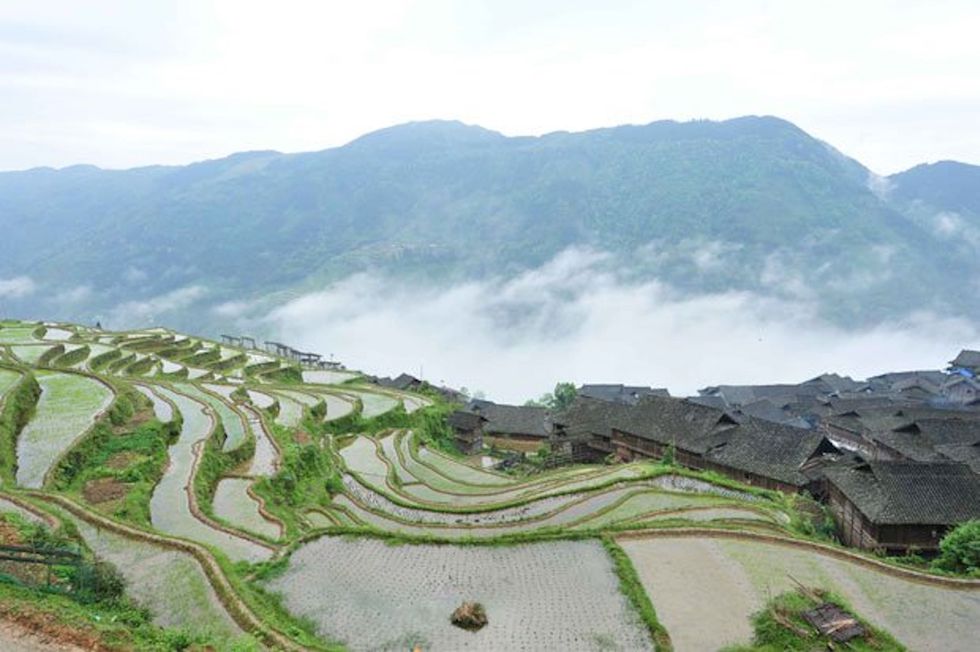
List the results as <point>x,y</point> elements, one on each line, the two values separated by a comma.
<point>69,405</point>
<point>373,404</point>
<point>162,410</point>
<point>265,461</point>
<point>56,334</point>
<point>234,424</point>
<point>290,410</point>
<point>460,471</point>
<point>17,334</point>
<point>170,510</point>
<point>260,399</point>
<point>543,596</point>
<point>337,406</point>
<point>324,377</point>
<point>29,353</point>
<point>233,504</point>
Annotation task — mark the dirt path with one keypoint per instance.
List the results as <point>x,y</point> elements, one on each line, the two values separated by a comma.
<point>15,637</point>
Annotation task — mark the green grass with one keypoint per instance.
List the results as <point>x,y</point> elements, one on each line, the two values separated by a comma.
<point>632,588</point>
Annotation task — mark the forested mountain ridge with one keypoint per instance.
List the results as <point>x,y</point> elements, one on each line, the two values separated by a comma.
<point>752,203</point>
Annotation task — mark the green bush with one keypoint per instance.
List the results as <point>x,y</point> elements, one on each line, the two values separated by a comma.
<point>101,360</point>
<point>959,551</point>
<point>72,357</point>
<point>18,408</point>
<point>49,355</point>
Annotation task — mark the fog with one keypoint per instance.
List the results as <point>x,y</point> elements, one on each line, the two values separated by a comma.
<point>578,319</point>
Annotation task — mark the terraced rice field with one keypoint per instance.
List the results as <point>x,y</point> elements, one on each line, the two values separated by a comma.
<point>58,334</point>
<point>337,406</point>
<point>233,504</point>
<point>290,411</point>
<point>235,431</point>
<point>324,377</point>
<point>30,353</point>
<point>367,594</point>
<point>372,596</point>
<point>17,334</point>
<point>374,404</point>
<point>705,591</point>
<point>260,399</point>
<point>169,508</point>
<point>161,409</point>
<point>68,406</point>
<point>265,461</point>
<point>170,583</point>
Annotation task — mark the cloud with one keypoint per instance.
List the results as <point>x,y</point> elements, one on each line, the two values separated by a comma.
<point>234,309</point>
<point>16,287</point>
<point>74,295</point>
<point>578,318</point>
<point>879,185</point>
<point>134,275</point>
<point>141,313</point>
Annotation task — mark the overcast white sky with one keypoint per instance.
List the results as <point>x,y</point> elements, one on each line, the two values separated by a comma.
<point>121,83</point>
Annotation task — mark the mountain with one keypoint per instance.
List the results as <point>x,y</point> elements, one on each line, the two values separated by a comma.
<point>752,203</point>
<point>946,185</point>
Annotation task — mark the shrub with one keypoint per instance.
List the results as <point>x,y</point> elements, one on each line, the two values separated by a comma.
<point>960,549</point>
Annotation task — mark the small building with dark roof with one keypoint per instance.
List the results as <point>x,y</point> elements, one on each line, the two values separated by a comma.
<point>626,394</point>
<point>900,506</point>
<point>966,363</point>
<point>467,431</point>
<point>525,423</point>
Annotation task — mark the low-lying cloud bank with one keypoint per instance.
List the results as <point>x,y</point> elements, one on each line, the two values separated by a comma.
<point>576,318</point>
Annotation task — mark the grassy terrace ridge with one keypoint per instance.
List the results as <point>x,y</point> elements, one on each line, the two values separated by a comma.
<point>345,460</point>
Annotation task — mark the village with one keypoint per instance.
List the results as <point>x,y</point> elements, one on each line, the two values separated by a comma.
<point>895,458</point>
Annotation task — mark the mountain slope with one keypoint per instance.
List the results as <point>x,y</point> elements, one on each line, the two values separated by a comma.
<point>752,203</point>
<point>946,185</point>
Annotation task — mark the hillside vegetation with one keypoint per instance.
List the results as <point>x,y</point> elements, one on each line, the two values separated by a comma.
<point>751,203</point>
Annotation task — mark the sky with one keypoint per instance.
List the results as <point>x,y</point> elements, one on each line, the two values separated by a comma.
<point>118,83</point>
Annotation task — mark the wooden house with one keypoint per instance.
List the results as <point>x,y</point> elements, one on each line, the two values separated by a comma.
<point>900,506</point>
<point>467,431</point>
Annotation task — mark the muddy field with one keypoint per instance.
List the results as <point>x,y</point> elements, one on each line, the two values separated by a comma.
<point>545,596</point>
<point>705,591</point>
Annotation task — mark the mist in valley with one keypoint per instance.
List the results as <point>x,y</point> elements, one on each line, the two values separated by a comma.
<point>580,318</point>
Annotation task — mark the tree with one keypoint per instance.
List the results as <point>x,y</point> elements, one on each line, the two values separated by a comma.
<point>560,399</point>
<point>563,395</point>
<point>960,549</point>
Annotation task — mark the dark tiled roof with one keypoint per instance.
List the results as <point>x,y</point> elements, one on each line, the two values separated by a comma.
<point>908,493</point>
<point>512,419</point>
<point>770,450</point>
<point>465,420</point>
<point>629,394</point>
<point>834,383</point>
<point>938,431</point>
<point>587,416</point>
<point>676,421</point>
<point>967,358</point>
<point>933,376</point>
<point>403,381</point>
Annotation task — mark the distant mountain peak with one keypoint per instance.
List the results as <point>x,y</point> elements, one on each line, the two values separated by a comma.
<point>426,133</point>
